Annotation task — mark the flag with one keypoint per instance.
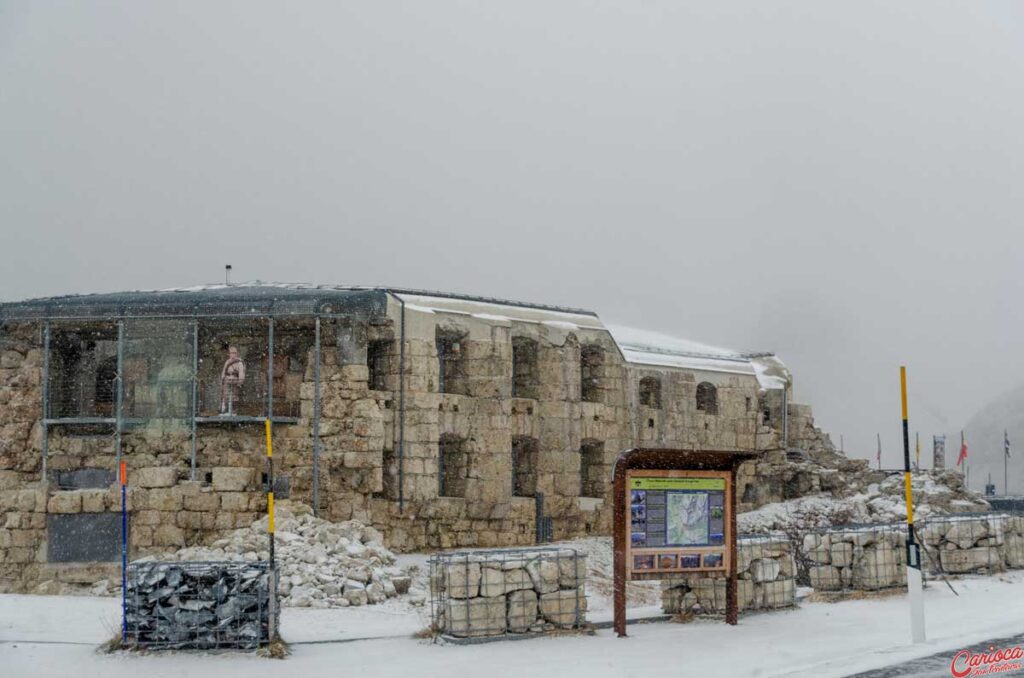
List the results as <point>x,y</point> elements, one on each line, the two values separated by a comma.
<point>963,450</point>
<point>1006,443</point>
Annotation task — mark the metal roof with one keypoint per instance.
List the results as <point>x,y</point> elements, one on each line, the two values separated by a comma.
<point>248,298</point>
<point>259,298</point>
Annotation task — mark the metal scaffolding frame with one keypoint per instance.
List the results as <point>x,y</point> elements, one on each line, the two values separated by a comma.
<point>195,394</point>
<point>316,418</point>
<point>246,300</point>
<point>119,393</point>
<point>120,421</point>
<point>46,396</point>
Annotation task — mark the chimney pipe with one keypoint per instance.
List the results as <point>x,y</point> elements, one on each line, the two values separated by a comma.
<point>227,274</point>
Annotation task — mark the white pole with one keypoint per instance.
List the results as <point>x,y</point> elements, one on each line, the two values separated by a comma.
<point>915,580</point>
<point>915,584</point>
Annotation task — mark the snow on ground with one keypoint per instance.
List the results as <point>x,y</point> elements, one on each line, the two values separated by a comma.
<point>56,636</point>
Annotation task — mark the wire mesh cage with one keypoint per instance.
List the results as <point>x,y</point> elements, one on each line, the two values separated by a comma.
<point>489,594</point>
<point>854,557</point>
<point>972,543</point>
<point>873,556</point>
<point>766,580</point>
<point>199,605</point>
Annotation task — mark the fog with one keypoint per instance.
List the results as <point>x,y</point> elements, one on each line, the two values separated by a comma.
<point>835,182</point>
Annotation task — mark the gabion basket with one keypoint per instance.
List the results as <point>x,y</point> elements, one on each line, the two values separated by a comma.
<point>490,594</point>
<point>199,605</point>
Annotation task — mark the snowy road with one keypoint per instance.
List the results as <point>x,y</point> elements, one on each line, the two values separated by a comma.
<point>939,664</point>
<point>818,639</point>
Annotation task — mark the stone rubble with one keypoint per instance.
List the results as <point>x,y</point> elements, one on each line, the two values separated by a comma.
<point>322,564</point>
<point>936,493</point>
<point>198,605</point>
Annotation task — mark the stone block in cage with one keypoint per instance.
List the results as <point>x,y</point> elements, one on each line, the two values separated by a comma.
<point>572,569</point>
<point>563,608</point>
<point>475,617</point>
<point>825,578</point>
<point>522,610</point>
<point>776,594</point>
<point>545,574</point>
<point>961,561</point>
<point>842,554</point>
<point>764,569</point>
<point>1013,548</point>
<point>492,580</point>
<point>462,578</point>
<point>878,568</point>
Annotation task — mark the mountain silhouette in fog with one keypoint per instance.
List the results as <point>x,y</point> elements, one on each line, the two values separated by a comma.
<point>985,442</point>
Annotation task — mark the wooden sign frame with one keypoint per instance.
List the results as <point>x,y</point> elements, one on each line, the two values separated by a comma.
<point>672,463</point>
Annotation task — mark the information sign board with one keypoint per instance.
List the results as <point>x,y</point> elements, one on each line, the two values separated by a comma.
<point>679,521</point>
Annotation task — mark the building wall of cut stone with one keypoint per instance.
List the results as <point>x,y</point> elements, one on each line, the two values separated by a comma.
<point>367,458</point>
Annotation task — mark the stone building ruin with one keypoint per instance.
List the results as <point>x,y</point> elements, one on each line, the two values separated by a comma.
<point>437,418</point>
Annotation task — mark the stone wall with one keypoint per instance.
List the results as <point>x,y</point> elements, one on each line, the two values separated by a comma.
<point>478,594</point>
<point>766,572</point>
<point>363,446</point>
<point>486,417</point>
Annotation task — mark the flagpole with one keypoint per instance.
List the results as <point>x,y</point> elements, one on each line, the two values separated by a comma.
<point>878,457</point>
<point>967,463</point>
<point>1006,463</point>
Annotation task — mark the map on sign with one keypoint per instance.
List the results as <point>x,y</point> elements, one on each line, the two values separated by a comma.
<point>666,512</point>
<point>687,516</point>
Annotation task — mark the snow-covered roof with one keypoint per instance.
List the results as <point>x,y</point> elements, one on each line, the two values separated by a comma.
<point>643,347</point>
<point>500,310</point>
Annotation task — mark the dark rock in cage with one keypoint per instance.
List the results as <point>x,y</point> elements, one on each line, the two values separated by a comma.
<point>183,605</point>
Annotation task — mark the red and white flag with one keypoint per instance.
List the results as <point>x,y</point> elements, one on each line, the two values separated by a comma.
<point>963,450</point>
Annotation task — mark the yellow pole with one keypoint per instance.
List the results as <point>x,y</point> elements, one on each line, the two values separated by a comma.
<point>915,579</point>
<point>270,487</point>
<point>906,450</point>
<point>272,630</point>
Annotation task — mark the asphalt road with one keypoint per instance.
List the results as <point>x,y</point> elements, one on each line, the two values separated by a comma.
<point>938,665</point>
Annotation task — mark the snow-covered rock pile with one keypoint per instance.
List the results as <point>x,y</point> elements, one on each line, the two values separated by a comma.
<point>935,493</point>
<point>322,564</point>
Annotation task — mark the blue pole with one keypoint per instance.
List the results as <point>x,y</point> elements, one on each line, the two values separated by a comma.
<point>124,557</point>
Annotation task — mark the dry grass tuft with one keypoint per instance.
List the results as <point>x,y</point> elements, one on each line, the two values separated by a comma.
<point>275,649</point>
<point>840,596</point>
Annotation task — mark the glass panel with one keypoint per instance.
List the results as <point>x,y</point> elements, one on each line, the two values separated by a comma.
<point>233,367</point>
<point>83,369</point>
<point>157,373</point>
<point>293,352</point>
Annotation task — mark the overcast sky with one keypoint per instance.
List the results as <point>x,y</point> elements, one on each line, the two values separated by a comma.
<point>838,182</point>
